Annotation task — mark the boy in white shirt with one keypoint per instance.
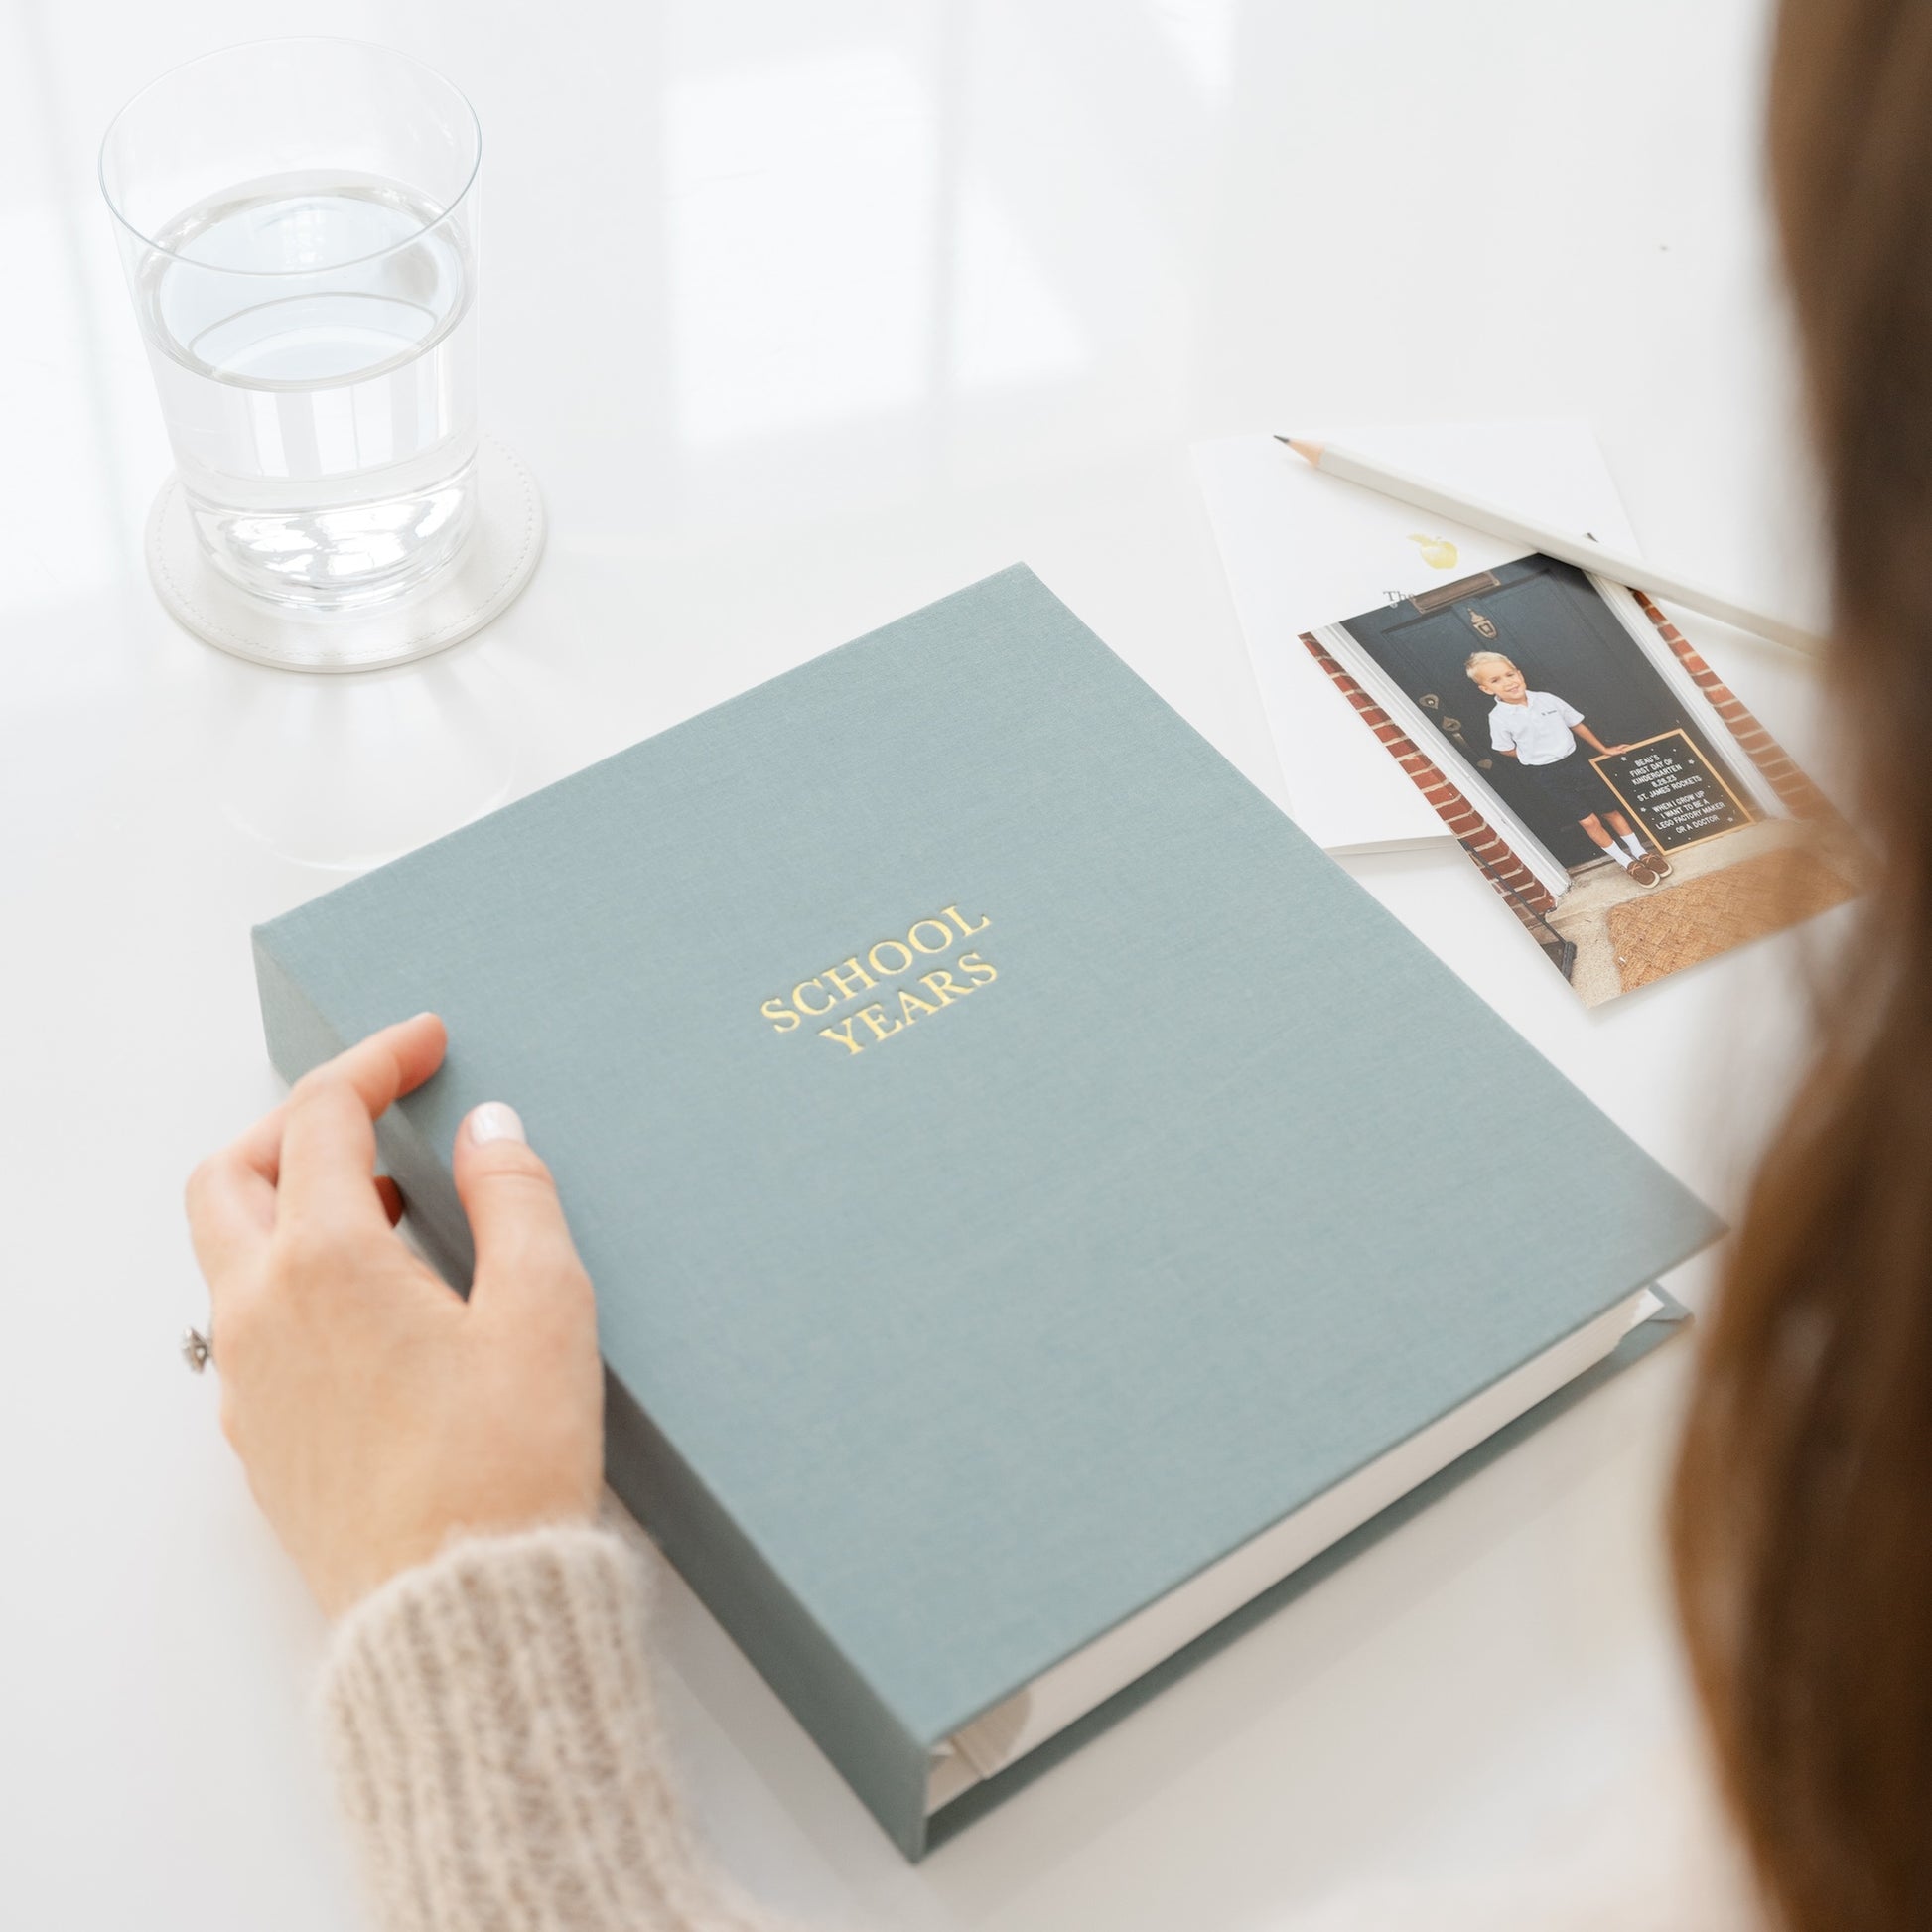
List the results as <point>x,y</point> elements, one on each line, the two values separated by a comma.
<point>1540,731</point>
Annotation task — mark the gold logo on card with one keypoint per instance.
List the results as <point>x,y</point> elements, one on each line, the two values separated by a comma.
<point>1438,553</point>
<point>888,968</point>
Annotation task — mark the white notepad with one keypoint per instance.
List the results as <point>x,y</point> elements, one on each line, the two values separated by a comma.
<point>1302,549</point>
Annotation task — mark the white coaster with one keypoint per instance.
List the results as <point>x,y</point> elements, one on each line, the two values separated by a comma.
<point>497,562</point>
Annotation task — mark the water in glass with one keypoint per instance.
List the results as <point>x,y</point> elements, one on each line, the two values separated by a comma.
<point>314,340</point>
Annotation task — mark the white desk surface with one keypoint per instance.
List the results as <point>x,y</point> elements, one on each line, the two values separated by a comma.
<point>805,315</point>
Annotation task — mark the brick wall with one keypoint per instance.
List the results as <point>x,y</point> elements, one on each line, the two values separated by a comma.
<point>1800,797</point>
<point>1519,887</point>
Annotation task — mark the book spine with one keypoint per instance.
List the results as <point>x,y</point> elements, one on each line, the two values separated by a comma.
<point>299,1037</point>
<point>881,1762</point>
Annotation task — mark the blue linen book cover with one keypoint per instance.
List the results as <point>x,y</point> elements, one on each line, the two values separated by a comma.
<point>1016,1167</point>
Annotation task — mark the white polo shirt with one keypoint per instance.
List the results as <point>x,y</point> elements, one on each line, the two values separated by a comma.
<point>1537,729</point>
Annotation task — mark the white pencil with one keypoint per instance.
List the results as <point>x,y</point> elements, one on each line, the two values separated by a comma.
<point>1620,568</point>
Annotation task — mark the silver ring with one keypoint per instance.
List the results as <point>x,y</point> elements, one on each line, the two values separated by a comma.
<point>198,1349</point>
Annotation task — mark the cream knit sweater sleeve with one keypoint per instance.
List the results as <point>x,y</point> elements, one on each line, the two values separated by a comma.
<point>495,1744</point>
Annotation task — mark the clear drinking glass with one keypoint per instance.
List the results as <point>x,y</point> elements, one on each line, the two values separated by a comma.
<point>298,223</point>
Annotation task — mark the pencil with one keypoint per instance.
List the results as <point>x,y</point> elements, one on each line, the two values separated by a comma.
<point>1619,567</point>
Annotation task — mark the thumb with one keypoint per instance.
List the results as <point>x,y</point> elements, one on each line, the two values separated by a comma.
<point>516,1222</point>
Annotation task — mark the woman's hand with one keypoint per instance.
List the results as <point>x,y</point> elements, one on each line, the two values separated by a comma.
<point>375,1411</point>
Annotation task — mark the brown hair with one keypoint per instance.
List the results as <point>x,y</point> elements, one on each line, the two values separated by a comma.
<point>1801,1520</point>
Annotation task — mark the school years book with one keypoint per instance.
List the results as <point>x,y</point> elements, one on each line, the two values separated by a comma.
<point>1043,1211</point>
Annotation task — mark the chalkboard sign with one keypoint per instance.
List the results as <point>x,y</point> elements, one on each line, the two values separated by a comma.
<point>1673,791</point>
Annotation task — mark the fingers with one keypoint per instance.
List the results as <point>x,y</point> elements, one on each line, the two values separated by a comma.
<point>260,1147</point>
<point>230,1213</point>
<point>523,1241</point>
<point>231,1196</point>
<point>231,1209</point>
<point>326,1159</point>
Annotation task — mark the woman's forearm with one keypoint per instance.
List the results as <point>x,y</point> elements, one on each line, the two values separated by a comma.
<point>495,1741</point>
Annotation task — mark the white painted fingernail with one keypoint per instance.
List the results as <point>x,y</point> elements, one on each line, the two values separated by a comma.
<point>493,1121</point>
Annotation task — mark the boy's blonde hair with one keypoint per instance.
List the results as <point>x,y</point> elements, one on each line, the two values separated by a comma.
<point>1472,665</point>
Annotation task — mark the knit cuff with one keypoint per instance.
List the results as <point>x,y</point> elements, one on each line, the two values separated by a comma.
<point>496,1748</point>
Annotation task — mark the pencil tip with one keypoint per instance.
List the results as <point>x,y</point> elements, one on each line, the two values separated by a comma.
<point>1303,446</point>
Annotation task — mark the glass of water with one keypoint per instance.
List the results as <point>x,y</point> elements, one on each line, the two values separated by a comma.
<point>298,223</point>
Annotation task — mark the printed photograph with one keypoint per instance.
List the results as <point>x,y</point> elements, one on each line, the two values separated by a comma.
<point>1617,796</point>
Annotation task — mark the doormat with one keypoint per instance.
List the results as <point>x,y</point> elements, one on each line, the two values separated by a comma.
<point>1679,925</point>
